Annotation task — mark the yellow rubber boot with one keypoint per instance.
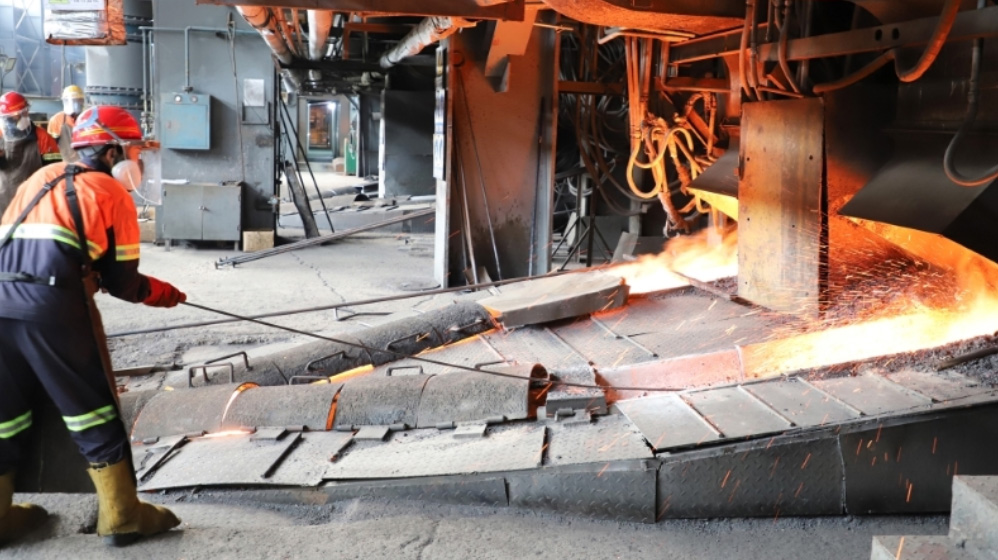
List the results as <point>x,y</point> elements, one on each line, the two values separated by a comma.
<point>16,520</point>
<point>121,518</point>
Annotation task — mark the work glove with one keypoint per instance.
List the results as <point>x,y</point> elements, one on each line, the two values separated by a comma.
<point>163,294</point>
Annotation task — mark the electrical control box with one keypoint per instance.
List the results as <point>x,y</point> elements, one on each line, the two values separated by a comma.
<point>185,121</point>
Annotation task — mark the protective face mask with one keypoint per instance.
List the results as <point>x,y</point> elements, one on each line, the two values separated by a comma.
<point>24,123</point>
<point>128,173</point>
<point>72,106</point>
<point>12,131</point>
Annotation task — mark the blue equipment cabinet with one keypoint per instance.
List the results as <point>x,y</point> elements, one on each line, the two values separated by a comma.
<point>185,121</point>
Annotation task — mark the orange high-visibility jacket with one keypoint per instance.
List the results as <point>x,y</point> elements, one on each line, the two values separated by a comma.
<point>46,245</point>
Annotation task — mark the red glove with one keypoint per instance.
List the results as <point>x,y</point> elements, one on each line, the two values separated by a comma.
<point>163,294</point>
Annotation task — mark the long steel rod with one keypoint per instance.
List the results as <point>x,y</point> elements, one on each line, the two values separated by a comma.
<point>421,358</point>
<point>356,303</point>
<point>240,259</point>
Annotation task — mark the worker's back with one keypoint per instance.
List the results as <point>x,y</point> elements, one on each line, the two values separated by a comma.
<point>46,245</point>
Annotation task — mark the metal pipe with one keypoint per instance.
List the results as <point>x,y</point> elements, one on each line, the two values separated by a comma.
<point>973,100</point>
<point>266,24</point>
<point>263,20</point>
<point>319,24</point>
<point>427,32</point>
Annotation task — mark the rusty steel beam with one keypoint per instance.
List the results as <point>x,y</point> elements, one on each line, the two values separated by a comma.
<point>507,11</point>
<point>972,24</point>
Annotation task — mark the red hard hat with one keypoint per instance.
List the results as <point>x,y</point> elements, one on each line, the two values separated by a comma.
<point>105,124</point>
<point>12,103</point>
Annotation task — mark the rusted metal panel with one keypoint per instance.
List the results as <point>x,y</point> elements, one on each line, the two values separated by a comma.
<point>781,259</point>
<point>502,158</point>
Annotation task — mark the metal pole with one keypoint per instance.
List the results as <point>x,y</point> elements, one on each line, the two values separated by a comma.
<point>481,176</point>
<point>294,131</point>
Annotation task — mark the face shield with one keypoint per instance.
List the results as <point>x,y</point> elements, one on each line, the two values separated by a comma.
<point>15,127</point>
<point>128,172</point>
<point>72,106</point>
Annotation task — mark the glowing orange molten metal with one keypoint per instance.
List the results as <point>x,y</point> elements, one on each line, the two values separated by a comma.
<point>928,311</point>
<point>701,256</point>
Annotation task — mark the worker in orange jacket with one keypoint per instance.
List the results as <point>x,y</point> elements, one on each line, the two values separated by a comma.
<point>70,230</point>
<point>72,106</point>
<point>25,147</point>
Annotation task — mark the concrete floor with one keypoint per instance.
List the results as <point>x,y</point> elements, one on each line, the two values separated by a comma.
<point>363,267</point>
<point>405,530</point>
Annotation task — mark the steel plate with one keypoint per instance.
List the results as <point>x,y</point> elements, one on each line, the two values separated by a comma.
<point>761,480</point>
<point>620,491</point>
<point>801,403</point>
<point>307,462</point>
<point>610,438</point>
<point>463,490</point>
<point>535,345</point>
<point>871,394</point>
<point>667,422</point>
<point>221,461</point>
<point>508,450</point>
<point>736,413</point>
<point>600,346</point>
<point>908,467</point>
<point>939,386</point>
